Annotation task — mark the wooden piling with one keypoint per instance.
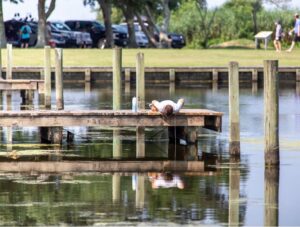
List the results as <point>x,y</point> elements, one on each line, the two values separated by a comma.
<point>140,81</point>
<point>297,75</point>
<point>9,62</point>
<point>1,76</point>
<point>47,76</point>
<point>117,144</point>
<point>59,78</point>
<point>140,191</point>
<point>117,73</point>
<point>116,188</point>
<point>172,75</point>
<point>254,75</point>
<point>215,75</point>
<point>140,142</point>
<point>271,196</point>
<point>87,75</point>
<point>127,75</point>
<point>234,110</point>
<point>271,112</point>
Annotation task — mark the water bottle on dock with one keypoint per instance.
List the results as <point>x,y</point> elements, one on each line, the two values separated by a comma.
<point>134,104</point>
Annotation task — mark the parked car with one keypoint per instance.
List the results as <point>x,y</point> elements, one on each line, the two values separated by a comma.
<point>97,32</point>
<point>12,32</point>
<point>140,37</point>
<point>73,38</point>
<point>178,40</point>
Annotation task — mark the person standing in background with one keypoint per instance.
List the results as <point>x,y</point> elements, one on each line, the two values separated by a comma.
<point>296,31</point>
<point>278,36</point>
<point>25,32</point>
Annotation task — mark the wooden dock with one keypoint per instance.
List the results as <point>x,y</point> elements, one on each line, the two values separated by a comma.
<point>123,118</point>
<point>11,85</point>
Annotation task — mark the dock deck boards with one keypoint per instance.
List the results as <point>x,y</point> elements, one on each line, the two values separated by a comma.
<point>48,118</point>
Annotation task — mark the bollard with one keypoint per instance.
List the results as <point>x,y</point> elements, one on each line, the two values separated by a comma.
<point>234,110</point>
<point>271,103</point>
<point>47,77</point>
<point>117,73</point>
<point>59,79</point>
<point>9,62</point>
<point>140,81</point>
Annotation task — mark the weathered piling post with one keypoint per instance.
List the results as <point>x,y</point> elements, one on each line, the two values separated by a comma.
<point>116,188</point>
<point>140,80</point>
<point>127,80</point>
<point>234,194</point>
<point>47,76</point>
<point>234,109</point>
<point>9,62</point>
<point>271,196</point>
<point>271,112</point>
<point>140,95</point>
<point>117,85</point>
<point>59,79</point>
<point>140,191</point>
<point>1,76</point>
<point>57,132</point>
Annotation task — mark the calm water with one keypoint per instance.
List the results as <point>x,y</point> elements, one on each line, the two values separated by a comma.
<point>230,194</point>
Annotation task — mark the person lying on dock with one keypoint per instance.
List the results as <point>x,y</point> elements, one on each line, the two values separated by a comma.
<point>166,107</point>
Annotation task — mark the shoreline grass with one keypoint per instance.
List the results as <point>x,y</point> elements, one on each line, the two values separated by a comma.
<point>157,57</point>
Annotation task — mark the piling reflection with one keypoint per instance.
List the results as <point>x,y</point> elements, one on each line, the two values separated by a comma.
<point>271,196</point>
<point>234,193</point>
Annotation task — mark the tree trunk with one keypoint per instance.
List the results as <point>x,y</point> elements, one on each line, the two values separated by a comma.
<point>2,28</point>
<point>146,31</point>
<point>41,42</point>
<point>167,15</point>
<point>106,11</point>
<point>254,13</point>
<point>129,17</point>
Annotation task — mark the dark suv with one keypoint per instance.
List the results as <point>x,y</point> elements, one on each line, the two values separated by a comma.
<point>97,31</point>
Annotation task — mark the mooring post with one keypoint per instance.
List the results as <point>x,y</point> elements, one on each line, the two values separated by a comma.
<point>254,75</point>
<point>87,75</point>
<point>1,76</point>
<point>140,94</point>
<point>117,73</point>
<point>9,62</point>
<point>47,76</point>
<point>127,74</point>
<point>297,75</point>
<point>59,79</point>
<point>234,194</point>
<point>271,196</point>
<point>234,109</point>
<point>116,188</point>
<point>172,75</point>
<point>140,142</point>
<point>117,85</point>
<point>140,191</point>
<point>140,81</point>
<point>271,112</point>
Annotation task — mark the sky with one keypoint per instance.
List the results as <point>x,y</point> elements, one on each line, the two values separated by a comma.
<point>72,9</point>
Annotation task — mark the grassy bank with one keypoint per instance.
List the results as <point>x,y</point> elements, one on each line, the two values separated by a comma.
<point>157,57</point>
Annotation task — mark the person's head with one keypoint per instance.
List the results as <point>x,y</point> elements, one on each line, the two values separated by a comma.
<point>167,111</point>
<point>296,16</point>
<point>277,22</point>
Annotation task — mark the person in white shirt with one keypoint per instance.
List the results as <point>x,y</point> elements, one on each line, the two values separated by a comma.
<point>166,107</point>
